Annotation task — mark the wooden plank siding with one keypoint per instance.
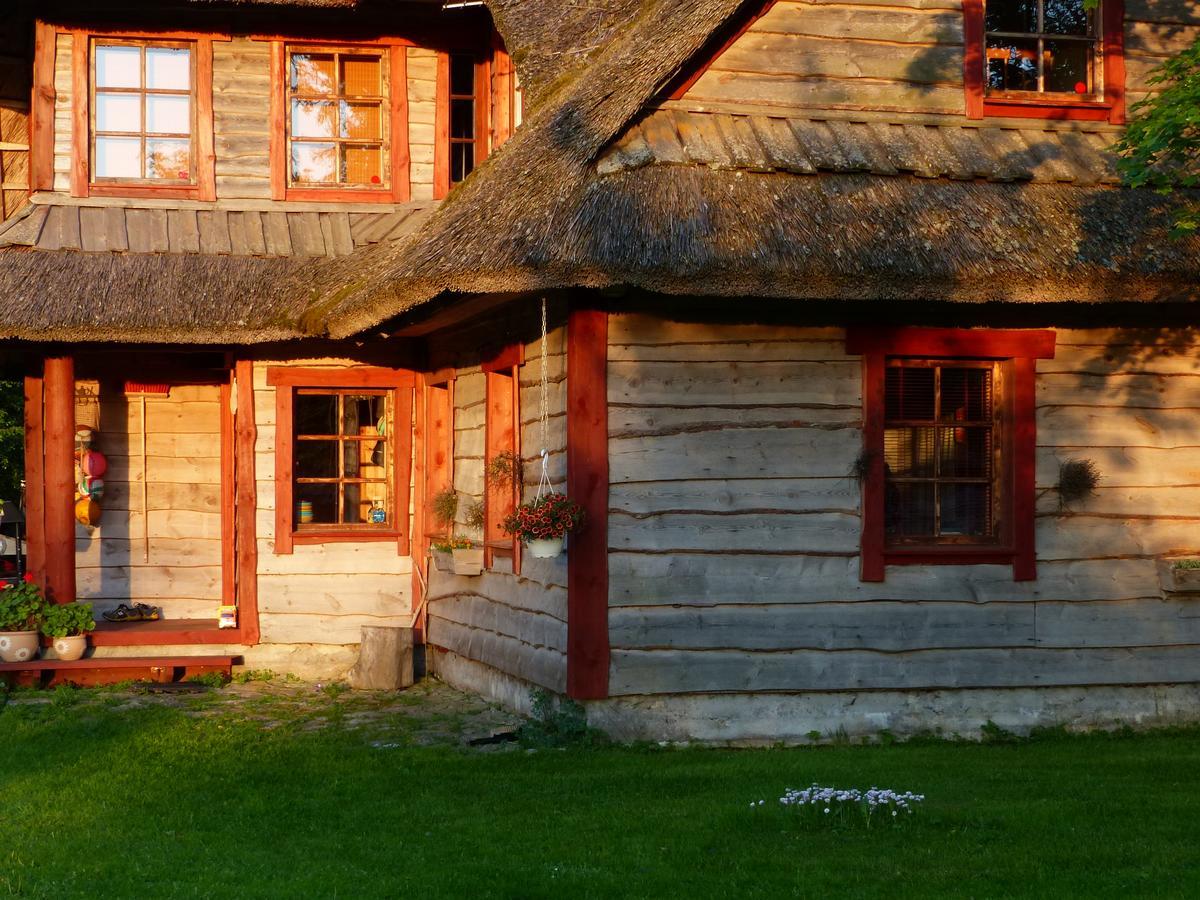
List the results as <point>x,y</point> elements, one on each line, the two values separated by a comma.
<point>898,55</point>
<point>734,523</point>
<point>514,624</point>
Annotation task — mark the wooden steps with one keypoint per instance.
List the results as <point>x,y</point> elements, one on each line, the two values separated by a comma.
<point>163,632</point>
<point>114,669</point>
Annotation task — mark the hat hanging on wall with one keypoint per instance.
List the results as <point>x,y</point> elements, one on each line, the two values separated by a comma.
<point>93,463</point>
<point>87,512</point>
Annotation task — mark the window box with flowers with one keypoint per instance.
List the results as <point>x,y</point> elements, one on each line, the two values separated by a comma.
<point>544,522</point>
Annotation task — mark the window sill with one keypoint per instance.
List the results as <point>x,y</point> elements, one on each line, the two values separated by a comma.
<point>1047,108</point>
<point>165,191</point>
<point>947,556</point>
<point>341,195</point>
<point>343,537</point>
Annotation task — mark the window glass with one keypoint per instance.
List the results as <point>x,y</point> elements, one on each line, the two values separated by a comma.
<point>142,112</point>
<point>462,116</point>
<point>1041,46</point>
<point>341,462</point>
<point>337,117</point>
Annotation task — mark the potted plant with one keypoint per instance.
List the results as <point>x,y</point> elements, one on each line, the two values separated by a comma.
<point>443,552</point>
<point>542,523</point>
<point>67,625</point>
<point>22,608</point>
<point>468,559</point>
<point>1179,575</point>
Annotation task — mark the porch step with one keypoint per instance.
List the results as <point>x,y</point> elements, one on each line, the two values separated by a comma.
<point>114,669</point>
<point>163,632</point>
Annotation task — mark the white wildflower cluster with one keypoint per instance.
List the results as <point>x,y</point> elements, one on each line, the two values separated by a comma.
<point>840,803</point>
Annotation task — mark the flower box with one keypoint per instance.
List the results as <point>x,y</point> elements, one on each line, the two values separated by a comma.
<point>1174,579</point>
<point>468,562</point>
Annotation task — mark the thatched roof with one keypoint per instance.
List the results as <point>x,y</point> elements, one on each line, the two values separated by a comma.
<point>594,192</point>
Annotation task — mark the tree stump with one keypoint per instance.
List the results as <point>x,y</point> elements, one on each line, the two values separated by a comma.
<point>385,659</point>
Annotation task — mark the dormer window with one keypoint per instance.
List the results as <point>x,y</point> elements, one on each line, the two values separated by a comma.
<point>1044,59</point>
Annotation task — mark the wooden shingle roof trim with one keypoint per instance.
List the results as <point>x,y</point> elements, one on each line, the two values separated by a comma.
<point>207,231</point>
<point>1015,151</point>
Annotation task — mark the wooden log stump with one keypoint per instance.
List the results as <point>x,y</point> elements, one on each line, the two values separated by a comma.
<point>385,659</point>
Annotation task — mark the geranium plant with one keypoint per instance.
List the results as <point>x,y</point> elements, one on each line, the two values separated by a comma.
<point>544,519</point>
<point>68,620</point>
<point>22,606</point>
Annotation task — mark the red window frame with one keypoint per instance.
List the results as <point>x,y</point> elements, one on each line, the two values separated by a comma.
<point>285,380</point>
<point>82,185</point>
<point>1112,49</point>
<point>442,182</point>
<point>399,190</point>
<point>1020,350</point>
<point>502,434</point>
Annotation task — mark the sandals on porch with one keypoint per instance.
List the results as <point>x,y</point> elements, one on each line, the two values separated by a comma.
<point>139,612</point>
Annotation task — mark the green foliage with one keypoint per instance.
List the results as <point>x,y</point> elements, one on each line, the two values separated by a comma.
<point>991,733</point>
<point>1187,564</point>
<point>1160,149</point>
<point>246,676</point>
<point>474,517</point>
<point>12,439</point>
<point>22,606</point>
<point>456,542</point>
<point>557,722</point>
<point>209,679</point>
<point>504,469</point>
<point>67,619</point>
<point>445,506</point>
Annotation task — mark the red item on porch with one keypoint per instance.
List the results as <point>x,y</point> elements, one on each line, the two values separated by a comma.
<point>93,463</point>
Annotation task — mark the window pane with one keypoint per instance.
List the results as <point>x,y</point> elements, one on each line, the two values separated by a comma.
<point>118,157</point>
<point>1011,15</point>
<point>314,162</point>
<point>908,393</point>
<point>462,118</point>
<point>462,75</point>
<point>966,509</point>
<point>168,68</point>
<point>314,119</point>
<point>118,112</point>
<point>361,414</point>
<point>322,499</point>
<point>462,161</point>
<point>908,452</point>
<point>965,452</point>
<point>1066,17</point>
<point>118,67</point>
<point>316,459</point>
<point>354,509</point>
<point>313,74</point>
<point>360,76</point>
<point>315,414</point>
<point>362,121</point>
<point>168,115</point>
<point>168,159</point>
<point>966,395</point>
<point>361,165</point>
<point>908,509</point>
<point>1068,66</point>
<point>1012,64</point>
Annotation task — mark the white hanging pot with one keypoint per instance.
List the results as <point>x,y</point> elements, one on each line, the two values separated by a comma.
<point>547,548</point>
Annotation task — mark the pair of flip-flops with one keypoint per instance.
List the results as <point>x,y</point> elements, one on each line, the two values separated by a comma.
<point>139,612</point>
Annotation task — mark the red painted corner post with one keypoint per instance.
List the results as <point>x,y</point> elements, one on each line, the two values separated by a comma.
<point>587,484</point>
<point>58,439</point>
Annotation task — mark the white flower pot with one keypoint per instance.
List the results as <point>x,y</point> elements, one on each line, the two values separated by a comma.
<point>546,549</point>
<point>18,646</point>
<point>70,648</point>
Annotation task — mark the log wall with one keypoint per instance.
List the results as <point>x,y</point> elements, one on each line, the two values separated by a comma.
<point>898,55</point>
<point>516,625</point>
<point>734,523</point>
<point>182,515</point>
<point>319,593</point>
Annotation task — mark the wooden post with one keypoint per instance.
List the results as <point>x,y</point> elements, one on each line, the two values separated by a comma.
<point>35,484</point>
<point>59,474</point>
<point>587,484</point>
<point>246,502</point>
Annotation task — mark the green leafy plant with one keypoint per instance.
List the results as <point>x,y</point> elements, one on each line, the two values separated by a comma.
<point>557,722</point>
<point>450,544</point>
<point>1186,564</point>
<point>474,517</point>
<point>67,620</point>
<point>553,516</point>
<point>22,606</point>
<point>504,469</point>
<point>445,506</point>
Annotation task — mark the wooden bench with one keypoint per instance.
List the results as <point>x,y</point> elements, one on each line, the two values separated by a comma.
<point>114,669</point>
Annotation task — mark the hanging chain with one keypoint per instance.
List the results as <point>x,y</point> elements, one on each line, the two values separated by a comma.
<point>543,487</point>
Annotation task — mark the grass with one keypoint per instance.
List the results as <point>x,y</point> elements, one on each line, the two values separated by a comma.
<point>106,795</point>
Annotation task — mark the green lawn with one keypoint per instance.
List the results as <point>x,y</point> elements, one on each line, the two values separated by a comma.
<point>98,799</point>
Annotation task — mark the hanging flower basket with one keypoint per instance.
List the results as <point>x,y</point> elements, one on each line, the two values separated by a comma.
<point>542,523</point>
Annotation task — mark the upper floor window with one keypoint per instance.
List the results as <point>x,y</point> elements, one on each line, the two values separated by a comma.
<point>464,97</point>
<point>1044,59</point>
<point>143,112</point>
<point>337,121</point>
